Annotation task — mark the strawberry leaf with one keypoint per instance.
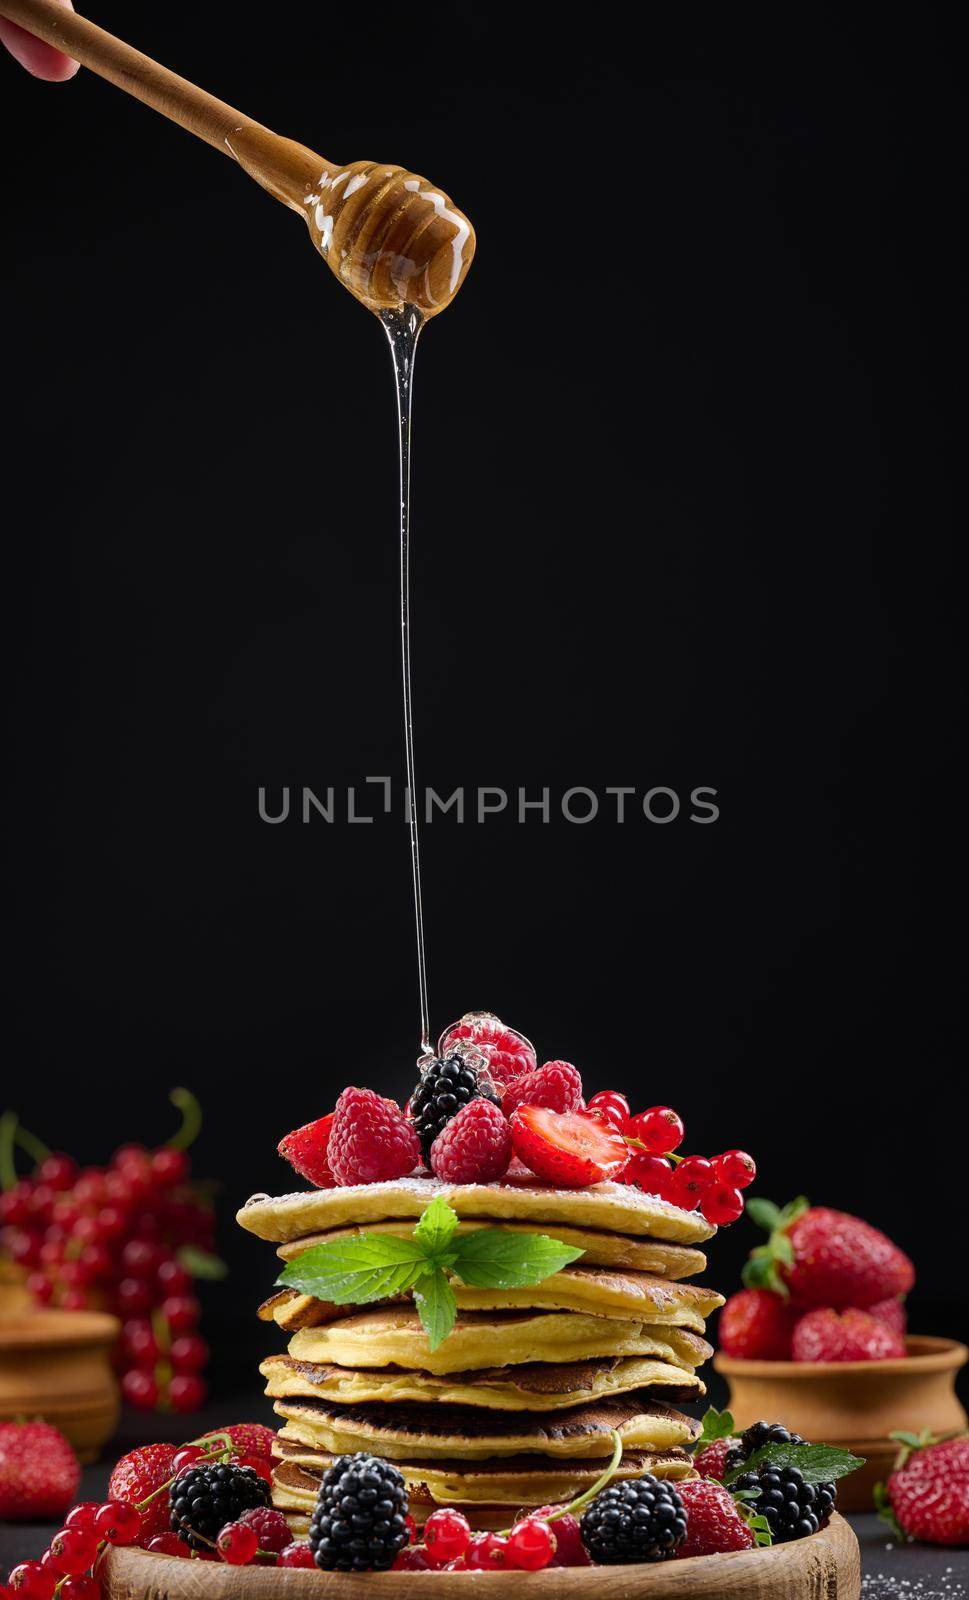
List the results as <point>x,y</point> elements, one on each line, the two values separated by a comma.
<point>436,1307</point>
<point>793,1210</point>
<point>764,1213</point>
<point>716,1425</point>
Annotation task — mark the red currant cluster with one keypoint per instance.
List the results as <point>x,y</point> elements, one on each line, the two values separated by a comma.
<point>549,1535</point>
<point>69,1566</point>
<point>710,1184</point>
<point>121,1239</point>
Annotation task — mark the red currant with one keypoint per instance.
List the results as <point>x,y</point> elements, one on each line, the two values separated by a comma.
<point>140,1258</point>
<point>692,1178</point>
<point>118,1522</point>
<point>447,1535</point>
<point>652,1174</point>
<point>73,1550</point>
<point>174,1280</point>
<point>613,1106</point>
<point>33,1581</point>
<point>80,1587</point>
<point>58,1171</point>
<point>296,1554</point>
<point>170,1167</point>
<point>74,1300</point>
<point>722,1204</point>
<point>140,1390</point>
<point>167,1544</point>
<point>40,1288</point>
<point>89,1188</point>
<point>415,1559</point>
<point>659,1129</point>
<point>531,1544</point>
<point>736,1169</point>
<point>140,1344</point>
<point>487,1552</point>
<point>237,1543</point>
<point>186,1392</point>
<point>24,1247</point>
<point>181,1312</point>
<point>112,1222</point>
<point>134,1297</point>
<point>15,1205</point>
<point>186,1457</point>
<point>82,1515</point>
<point>189,1353</point>
<point>96,1263</point>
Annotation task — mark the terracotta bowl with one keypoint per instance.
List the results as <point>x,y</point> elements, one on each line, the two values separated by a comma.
<point>853,1403</point>
<point>57,1365</point>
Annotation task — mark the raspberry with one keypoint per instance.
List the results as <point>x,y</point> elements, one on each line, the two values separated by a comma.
<point>711,1461</point>
<point>826,1335</point>
<point>571,1149</point>
<point>713,1521</point>
<point>305,1150</point>
<point>556,1085</point>
<point>508,1053</point>
<point>756,1325</point>
<point>270,1527</point>
<point>929,1492</point>
<point>474,1147</point>
<point>370,1140</point>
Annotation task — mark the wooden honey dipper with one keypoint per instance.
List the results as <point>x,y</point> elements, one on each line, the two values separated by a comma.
<point>390,237</point>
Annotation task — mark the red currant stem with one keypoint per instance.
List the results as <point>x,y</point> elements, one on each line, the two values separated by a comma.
<point>635,1144</point>
<point>592,1491</point>
<point>35,1148</point>
<point>161,1330</point>
<point>214,1451</point>
<point>8,1164</point>
<point>185,1102</point>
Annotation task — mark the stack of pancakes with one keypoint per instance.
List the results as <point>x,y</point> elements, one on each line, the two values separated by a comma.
<point>516,1407</point>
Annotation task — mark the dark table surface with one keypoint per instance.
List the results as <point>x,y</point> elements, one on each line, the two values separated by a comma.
<point>889,1571</point>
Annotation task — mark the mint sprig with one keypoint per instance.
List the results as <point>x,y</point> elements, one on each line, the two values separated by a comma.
<point>378,1266</point>
<point>762,1267</point>
<point>817,1463</point>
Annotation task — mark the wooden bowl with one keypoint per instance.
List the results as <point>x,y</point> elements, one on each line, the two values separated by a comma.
<point>57,1365</point>
<point>826,1564</point>
<point>853,1403</point>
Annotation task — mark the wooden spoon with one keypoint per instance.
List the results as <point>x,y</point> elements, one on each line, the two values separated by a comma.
<point>390,237</point>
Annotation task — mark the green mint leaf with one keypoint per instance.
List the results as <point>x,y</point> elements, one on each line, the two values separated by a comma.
<point>716,1425</point>
<point>436,1228</point>
<point>493,1258</point>
<point>764,1213</point>
<point>201,1263</point>
<point>354,1271</point>
<point>793,1210</point>
<point>436,1307</point>
<point>818,1463</point>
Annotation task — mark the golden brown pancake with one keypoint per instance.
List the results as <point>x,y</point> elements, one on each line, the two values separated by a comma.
<point>595,1290</point>
<point>600,1249</point>
<point>612,1207</point>
<point>534,1386</point>
<point>512,1481</point>
<point>433,1432</point>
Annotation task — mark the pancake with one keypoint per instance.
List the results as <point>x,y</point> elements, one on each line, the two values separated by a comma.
<point>534,1386</point>
<point>612,1207</point>
<point>577,1288</point>
<point>512,1481</point>
<point>393,1336</point>
<point>431,1432</point>
<point>600,1249</point>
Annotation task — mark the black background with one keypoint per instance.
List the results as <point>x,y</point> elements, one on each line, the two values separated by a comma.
<point>684,515</point>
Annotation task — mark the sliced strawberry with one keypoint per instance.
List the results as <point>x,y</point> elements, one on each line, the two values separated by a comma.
<point>305,1150</point>
<point>570,1149</point>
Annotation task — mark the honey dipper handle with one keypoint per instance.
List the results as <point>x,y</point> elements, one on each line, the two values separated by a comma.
<point>286,168</point>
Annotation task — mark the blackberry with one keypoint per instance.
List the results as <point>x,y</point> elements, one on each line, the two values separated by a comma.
<point>792,1507</point>
<point>204,1499</point>
<point>447,1085</point>
<point>358,1524</point>
<point>758,1434</point>
<point>638,1519</point>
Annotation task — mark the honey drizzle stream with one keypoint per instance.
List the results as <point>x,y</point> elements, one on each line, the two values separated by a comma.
<point>402,327</point>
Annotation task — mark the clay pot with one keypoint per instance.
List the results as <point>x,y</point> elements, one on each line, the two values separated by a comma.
<point>57,1365</point>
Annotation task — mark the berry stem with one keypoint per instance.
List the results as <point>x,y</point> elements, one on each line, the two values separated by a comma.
<point>594,1489</point>
<point>8,1134</point>
<point>185,1102</point>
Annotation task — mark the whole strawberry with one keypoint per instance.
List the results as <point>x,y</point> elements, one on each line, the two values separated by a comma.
<point>371,1140</point>
<point>714,1523</point>
<point>139,1474</point>
<point>826,1335</point>
<point>39,1472</point>
<point>825,1258</point>
<point>305,1150</point>
<point>251,1439</point>
<point>711,1460</point>
<point>556,1085</point>
<point>927,1495</point>
<point>756,1325</point>
<point>892,1313</point>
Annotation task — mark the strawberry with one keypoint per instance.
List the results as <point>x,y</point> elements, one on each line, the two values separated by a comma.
<point>305,1150</point>
<point>825,1258</point>
<point>826,1335</point>
<point>138,1475</point>
<point>711,1461</point>
<point>371,1140</point>
<point>570,1149</point>
<point>251,1439</point>
<point>714,1522</point>
<point>556,1085</point>
<point>509,1054</point>
<point>39,1472</point>
<point>756,1325</point>
<point>892,1313</point>
<point>927,1495</point>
